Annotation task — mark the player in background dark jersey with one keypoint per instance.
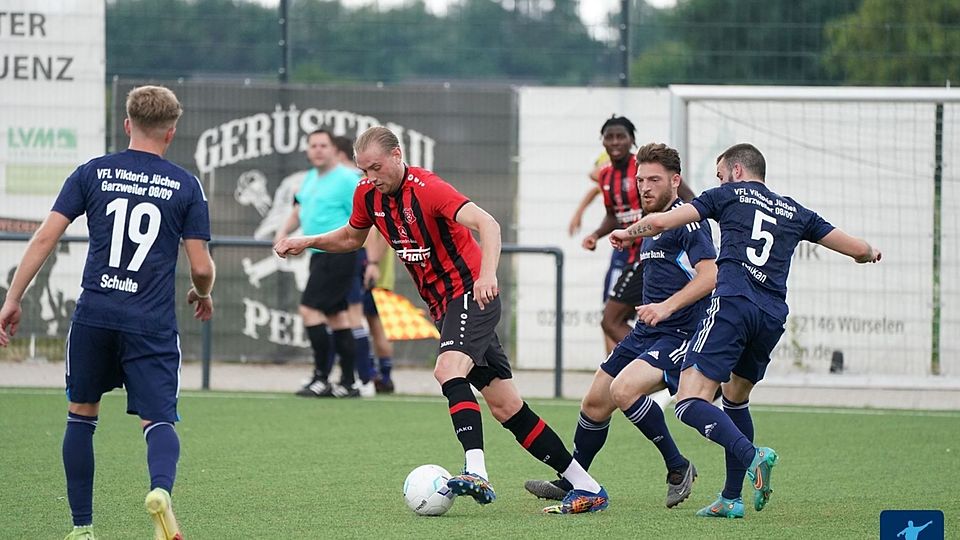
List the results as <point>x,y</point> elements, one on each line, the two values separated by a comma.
<point>679,272</point>
<point>429,224</point>
<point>759,231</point>
<point>124,330</point>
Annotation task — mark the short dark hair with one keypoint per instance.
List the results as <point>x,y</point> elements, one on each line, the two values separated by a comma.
<point>345,145</point>
<point>660,153</point>
<point>620,121</point>
<point>320,131</point>
<point>747,156</point>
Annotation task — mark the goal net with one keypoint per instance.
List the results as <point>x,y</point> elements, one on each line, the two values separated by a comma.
<point>880,163</point>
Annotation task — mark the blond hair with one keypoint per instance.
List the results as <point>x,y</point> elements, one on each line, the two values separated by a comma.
<point>153,107</point>
<point>378,135</point>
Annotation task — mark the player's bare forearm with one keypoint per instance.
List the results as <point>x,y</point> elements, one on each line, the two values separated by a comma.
<point>654,224</point>
<point>851,246</point>
<point>202,269</point>
<point>490,245</point>
<point>38,249</point>
<point>700,286</point>
<point>342,240</point>
<point>607,226</point>
<point>477,219</point>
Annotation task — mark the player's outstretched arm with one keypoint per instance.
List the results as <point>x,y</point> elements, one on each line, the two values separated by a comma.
<point>38,249</point>
<point>577,218</point>
<point>342,240</point>
<point>202,275</point>
<point>608,225</point>
<point>851,246</point>
<point>654,224</point>
<point>485,289</point>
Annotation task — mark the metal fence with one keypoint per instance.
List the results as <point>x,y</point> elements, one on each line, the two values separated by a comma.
<point>209,339</point>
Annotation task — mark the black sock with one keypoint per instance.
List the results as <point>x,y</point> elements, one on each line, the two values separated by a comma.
<point>465,413</point>
<point>320,342</point>
<point>537,438</point>
<point>346,347</point>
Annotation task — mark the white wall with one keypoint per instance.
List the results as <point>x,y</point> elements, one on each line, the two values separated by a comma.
<point>559,140</point>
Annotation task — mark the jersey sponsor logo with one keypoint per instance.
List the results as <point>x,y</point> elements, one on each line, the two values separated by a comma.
<point>653,254</point>
<point>628,217</point>
<point>414,255</point>
<point>408,216</point>
<point>446,343</point>
<point>380,214</point>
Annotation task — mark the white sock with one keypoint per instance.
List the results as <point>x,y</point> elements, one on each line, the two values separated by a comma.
<point>580,478</point>
<point>474,463</point>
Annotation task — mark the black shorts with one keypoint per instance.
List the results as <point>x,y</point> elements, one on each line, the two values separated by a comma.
<point>329,282</point>
<point>629,287</point>
<point>472,331</point>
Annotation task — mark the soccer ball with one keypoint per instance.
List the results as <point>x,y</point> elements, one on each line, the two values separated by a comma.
<point>425,490</point>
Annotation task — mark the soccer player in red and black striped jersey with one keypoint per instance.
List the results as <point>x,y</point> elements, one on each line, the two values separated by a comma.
<point>429,224</point>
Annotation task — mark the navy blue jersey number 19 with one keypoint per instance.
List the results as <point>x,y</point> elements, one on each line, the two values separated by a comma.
<point>135,231</point>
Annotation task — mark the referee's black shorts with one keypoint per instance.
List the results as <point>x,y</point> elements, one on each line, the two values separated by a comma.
<point>472,331</point>
<point>629,287</point>
<point>329,282</point>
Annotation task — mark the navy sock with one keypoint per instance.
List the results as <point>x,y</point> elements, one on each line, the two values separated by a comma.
<point>365,369</point>
<point>647,416</point>
<point>347,349</point>
<point>163,452</point>
<point>78,464</point>
<point>537,438</point>
<point>386,366</point>
<point>320,343</point>
<point>465,413</point>
<point>715,425</point>
<point>589,439</point>
<point>740,414</point>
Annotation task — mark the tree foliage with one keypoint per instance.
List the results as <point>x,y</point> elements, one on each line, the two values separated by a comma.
<point>884,43</point>
<point>476,40</point>
<point>735,42</point>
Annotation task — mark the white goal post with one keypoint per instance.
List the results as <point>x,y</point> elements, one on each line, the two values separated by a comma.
<point>881,163</point>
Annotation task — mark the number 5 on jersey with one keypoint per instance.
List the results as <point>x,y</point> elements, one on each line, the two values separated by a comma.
<point>143,239</point>
<point>759,256</point>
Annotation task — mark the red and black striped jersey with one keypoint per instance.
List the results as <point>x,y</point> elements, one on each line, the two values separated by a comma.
<point>618,183</point>
<point>419,222</point>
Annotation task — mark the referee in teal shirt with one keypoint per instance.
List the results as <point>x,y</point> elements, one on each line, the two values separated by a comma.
<point>322,204</point>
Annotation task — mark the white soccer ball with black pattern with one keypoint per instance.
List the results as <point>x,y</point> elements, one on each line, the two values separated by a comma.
<point>425,490</point>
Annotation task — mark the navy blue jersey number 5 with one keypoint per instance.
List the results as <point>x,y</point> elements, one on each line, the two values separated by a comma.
<point>759,256</point>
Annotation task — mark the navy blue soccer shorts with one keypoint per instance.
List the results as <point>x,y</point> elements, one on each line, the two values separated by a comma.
<point>735,336</point>
<point>356,293</point>
<point>369,304</point>
<point>472,331</point>
<point>101,359</point>
<point>662,351</point>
